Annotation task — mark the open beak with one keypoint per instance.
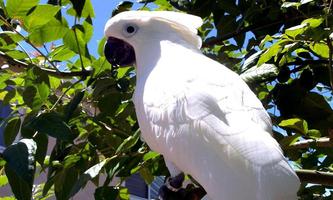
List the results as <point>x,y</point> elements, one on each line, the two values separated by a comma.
<point>118,52</point>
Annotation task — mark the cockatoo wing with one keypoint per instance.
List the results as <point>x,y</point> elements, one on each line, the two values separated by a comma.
<point>192,132</point>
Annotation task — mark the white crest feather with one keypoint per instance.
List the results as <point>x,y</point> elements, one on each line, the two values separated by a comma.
<point>183,23</point>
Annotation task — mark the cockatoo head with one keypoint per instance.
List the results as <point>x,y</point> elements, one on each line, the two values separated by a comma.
<point>129,31</point>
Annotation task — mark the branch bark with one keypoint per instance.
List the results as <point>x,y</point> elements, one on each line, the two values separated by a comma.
<point>316,177</point>
<point>9,63</point>
<point>321,142</point>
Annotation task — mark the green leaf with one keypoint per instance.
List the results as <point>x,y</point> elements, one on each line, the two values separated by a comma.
<point>51,31</point>
<point>77,45</point>
<point>146,175</point>
<point>269,53</point>
<point>122,6</point>
<point>109,103</point>
<point>81,8</point>
<point>290,4</point>
<point>129,142</point>
<point>3,180</point>
<point>306,1</point>
<point>42,144</point>
<point>88,29</point>
<point>53,125</point>
<point>20,157</point>
<point>16,54</point>
<point>20,167</point>
<point>91,173</point>
<point>78,6</point>
<point>296,124</point>
<point>262,72</point>
<point>106,193</point>
<point>320,49</point>
<point>41,15</point>
<point>100,65</point>
<point>289,140</point>
<point>251,60</point>
<point>19,8</point>
<point>21,189</point>
<point>150,155</point>
<point>124,194</point>
<point>313,22</point>
<point>35,96</point>
<point>11,130</point>
<point>313,133</point>
<point>65,181</point>
<point>9,37</point>
<point>101,45</point>
<point>62,53</point>
<point>296,30</point>
<point>73,104</point>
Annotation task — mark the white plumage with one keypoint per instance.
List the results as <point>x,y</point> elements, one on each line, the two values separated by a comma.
<point>200,115</point>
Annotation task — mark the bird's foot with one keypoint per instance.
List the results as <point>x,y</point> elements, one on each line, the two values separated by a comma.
<point>172,188</point>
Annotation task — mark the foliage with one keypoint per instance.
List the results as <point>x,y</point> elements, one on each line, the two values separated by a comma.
<point>59,89</point>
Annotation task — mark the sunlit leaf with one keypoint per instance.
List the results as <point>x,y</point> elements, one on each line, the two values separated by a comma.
<point>19,8</point>
<point>297,124</point>
<point>53,30</point>
<point>320,49</point>
<point>40,16</point>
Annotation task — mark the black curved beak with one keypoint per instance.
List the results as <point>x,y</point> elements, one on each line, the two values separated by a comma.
<point>118,52</point>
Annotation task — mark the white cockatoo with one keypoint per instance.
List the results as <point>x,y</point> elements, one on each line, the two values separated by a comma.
<point>198,114</point>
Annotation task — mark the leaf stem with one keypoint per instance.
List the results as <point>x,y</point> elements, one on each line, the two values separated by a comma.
<point>63,94</point>
<point>78,45</point>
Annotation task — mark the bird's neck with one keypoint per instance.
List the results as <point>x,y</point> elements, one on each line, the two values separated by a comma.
<point>161,54</point>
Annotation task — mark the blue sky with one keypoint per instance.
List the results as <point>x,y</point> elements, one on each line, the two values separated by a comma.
<point>103,10</point>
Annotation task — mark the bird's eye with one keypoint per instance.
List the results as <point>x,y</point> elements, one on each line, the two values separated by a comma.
<point>130,30</point>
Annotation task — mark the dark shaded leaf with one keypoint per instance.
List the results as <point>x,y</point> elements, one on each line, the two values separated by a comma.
<point>20,167</point>
<point>11,130</point>
<point>64,182</point>
<point>73,104</point>
<point>42,144</point>
<point>91,173</point>
<point>53,125</point>
<point>121,7</point>
<point>106,193</point>
<point>129,142</point>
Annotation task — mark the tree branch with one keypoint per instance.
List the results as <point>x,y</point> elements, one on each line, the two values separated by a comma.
<point>9,63</point>
<point>321,142</point>
<point>330,47</point>
<point>314,176</point>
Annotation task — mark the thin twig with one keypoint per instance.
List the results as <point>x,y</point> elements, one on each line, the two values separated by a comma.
<point>304,144</point>
<point>19,66</point>
<point>63,94</point>
<point>315,176</point>
<point>27,41</point>
<point>330,52</point>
